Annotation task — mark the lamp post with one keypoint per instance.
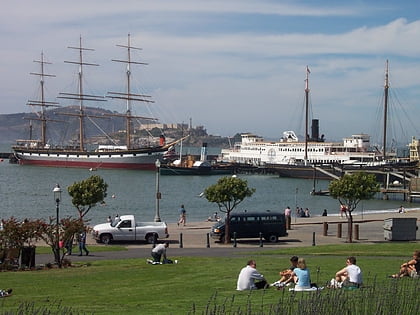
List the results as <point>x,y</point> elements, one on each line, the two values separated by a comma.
<point>57,198</point>
<point>158,194</point>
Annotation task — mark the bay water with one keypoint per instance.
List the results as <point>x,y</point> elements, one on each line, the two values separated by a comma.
<point>27,192</point>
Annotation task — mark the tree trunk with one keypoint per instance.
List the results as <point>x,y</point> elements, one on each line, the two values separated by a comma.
<point>350,228</point>
<point>227,228</point>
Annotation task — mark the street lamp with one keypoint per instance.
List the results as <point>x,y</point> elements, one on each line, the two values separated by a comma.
<point>57,199</point>
<point>158,194</point>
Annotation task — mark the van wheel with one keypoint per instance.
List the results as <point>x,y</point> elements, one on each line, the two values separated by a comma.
<point>222,238</point>
<point>272,238</point>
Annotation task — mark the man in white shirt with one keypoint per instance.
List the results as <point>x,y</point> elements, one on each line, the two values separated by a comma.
<point>159,251</point>
<point>247,277</point>
<point>351,275</point>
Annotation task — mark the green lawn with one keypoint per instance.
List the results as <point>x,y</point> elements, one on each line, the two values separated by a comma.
<point>132,286</point>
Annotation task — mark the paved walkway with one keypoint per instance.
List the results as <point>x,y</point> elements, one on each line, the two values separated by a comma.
<point>191,240</point>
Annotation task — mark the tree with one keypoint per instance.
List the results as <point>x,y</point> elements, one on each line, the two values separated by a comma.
<point>17,238</point>
<point>350,190</point>
<point>67,228</point>
<point>228,192</point>
<point>87,193</point>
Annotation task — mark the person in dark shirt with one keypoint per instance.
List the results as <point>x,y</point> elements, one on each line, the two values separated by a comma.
<point>286,275</point>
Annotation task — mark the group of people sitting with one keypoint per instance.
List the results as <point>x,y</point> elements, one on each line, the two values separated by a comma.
<point>349,277</point>
<point>299,275</point>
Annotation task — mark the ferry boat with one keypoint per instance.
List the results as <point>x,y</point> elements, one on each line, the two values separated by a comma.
<point>289,150</point>
<point>113,156</point>
<point>312,156</point>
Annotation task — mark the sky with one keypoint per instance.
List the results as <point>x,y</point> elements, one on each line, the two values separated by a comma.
<point>229,65</point>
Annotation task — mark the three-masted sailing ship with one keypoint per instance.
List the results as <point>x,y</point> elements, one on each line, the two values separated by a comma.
<point>128,156</point>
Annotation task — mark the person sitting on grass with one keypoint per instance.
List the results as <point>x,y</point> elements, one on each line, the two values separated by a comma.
<point>303,275</point>
<point>411,268</point>
<point>247,277</point>
<point>348,277</point>
<point>286,275</point>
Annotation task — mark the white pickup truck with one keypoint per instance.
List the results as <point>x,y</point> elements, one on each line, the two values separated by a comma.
<point>127,229</point>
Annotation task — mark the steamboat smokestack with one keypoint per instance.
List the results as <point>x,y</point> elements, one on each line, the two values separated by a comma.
<point>315,130</point>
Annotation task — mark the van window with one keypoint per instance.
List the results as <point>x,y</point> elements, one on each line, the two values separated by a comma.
<point>250,219</point>
<point>234,219</point>
<point>271,218</point>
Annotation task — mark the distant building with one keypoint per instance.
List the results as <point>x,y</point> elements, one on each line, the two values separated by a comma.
<point>163,126</point>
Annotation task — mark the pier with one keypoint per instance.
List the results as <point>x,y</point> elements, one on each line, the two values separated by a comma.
<point>5,155</point>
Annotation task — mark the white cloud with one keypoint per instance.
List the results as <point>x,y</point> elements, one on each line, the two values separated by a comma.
<point>204,66</point>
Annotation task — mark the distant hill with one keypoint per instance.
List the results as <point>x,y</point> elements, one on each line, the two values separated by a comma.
<point>62,129</point>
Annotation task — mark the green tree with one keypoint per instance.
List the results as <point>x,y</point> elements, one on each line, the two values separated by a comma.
<point>67,228</point>
<point>87,193</point>
<point>228,192</point>
<point>350,190</point>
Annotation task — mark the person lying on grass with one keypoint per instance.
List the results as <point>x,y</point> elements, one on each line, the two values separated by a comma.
<point>5,293</point>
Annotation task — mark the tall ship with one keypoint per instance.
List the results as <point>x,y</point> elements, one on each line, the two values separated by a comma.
<point>313,156</point>
<point>113,156</point>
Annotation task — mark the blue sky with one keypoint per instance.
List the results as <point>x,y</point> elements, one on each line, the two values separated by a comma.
<point>232,66</point>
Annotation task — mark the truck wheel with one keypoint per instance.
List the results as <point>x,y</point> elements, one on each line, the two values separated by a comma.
<point>151,238</point>
<point>272,238</point>
<point>106,239</point>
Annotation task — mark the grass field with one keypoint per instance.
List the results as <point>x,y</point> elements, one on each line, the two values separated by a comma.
<point>196,285</point>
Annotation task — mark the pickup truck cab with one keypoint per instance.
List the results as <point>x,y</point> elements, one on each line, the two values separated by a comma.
<point>270,224</point>
<point>128,229</point>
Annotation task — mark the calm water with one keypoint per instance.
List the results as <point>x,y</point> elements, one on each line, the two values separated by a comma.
<point>26,192</point>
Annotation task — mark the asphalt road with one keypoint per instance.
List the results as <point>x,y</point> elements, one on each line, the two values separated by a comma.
<point>192,239</point>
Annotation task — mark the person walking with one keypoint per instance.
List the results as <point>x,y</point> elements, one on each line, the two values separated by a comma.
<point>343,210</point>
<point>182,216</point>
<point>82,243</point>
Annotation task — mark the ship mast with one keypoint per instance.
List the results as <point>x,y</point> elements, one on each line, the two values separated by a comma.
<point>128,96</point>
<point>80,96</point>
<point>386,88</point>
<point>42,103</point>
<point>306,112</point>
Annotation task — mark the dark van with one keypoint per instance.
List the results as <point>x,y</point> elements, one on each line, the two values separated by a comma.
<point>271,224</point>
